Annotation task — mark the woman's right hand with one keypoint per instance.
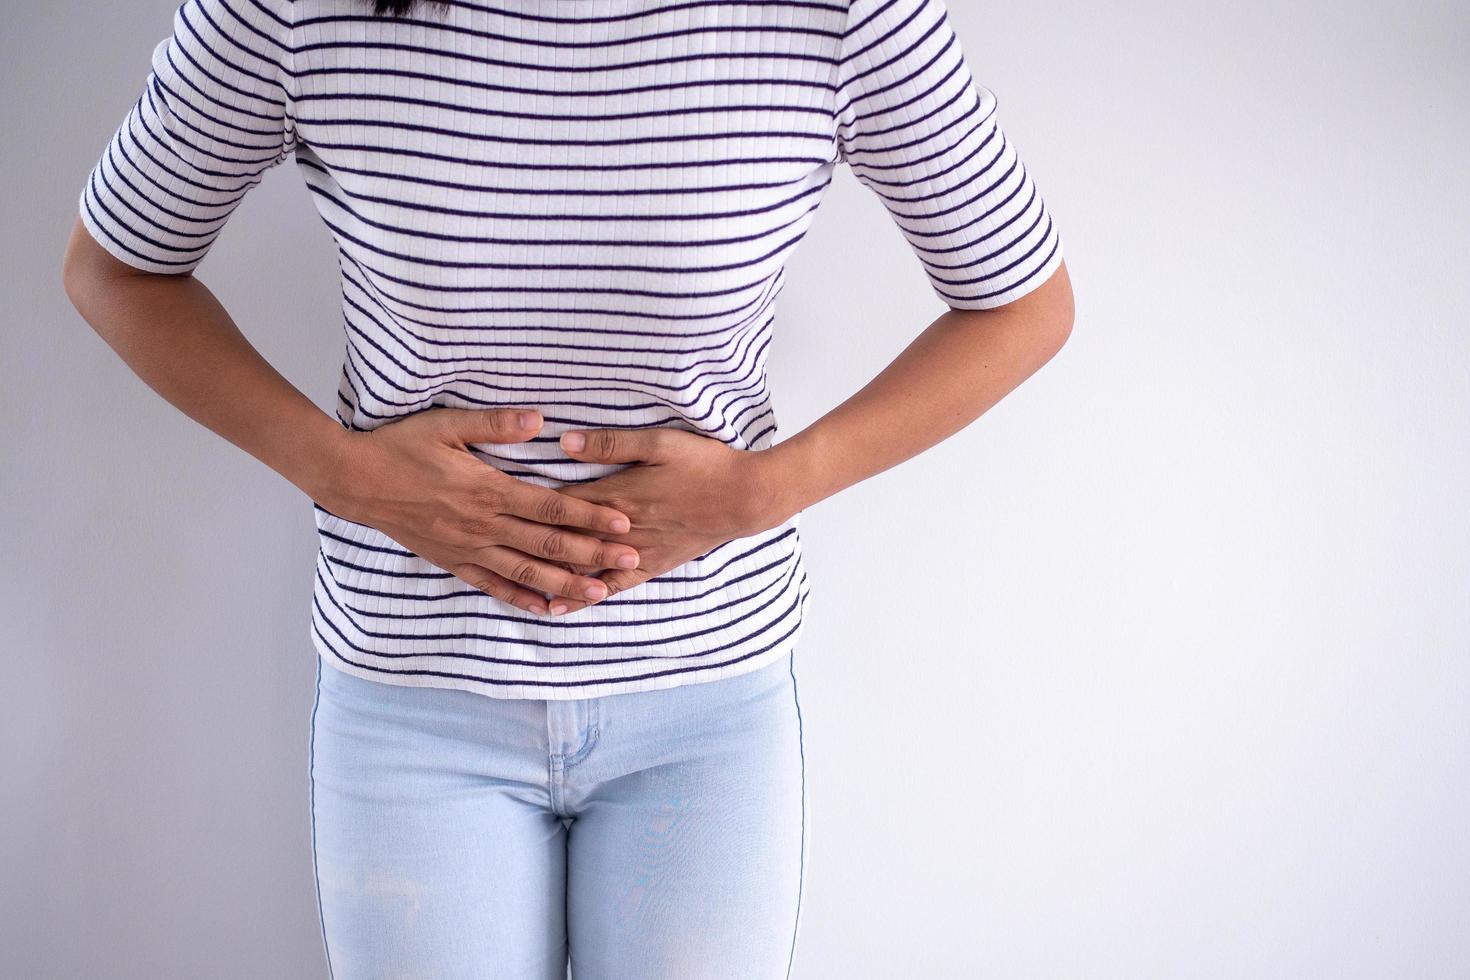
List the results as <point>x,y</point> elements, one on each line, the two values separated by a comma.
<point>416,481</point>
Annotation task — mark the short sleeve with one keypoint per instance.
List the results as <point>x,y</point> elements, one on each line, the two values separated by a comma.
<point>213,117</point>
<point>917,130</point>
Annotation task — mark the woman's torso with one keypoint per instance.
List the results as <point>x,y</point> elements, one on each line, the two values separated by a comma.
<point>585,208</point>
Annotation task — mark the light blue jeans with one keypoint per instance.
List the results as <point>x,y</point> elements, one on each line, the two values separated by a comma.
<point>659,835</point>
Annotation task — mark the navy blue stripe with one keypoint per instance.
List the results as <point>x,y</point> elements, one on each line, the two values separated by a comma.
<point>447,33</point>
<point>349,48</point>
<point>385,72</point>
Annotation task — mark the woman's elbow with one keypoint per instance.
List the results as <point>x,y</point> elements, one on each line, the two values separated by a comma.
<point>91,275</point>
<point>83,264</point>
<point>1049,311</point>
<point>1060,305</point>
<point>84,261</point>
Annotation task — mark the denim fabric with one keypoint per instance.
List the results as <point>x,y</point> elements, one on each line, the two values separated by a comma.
<point>653,835</point>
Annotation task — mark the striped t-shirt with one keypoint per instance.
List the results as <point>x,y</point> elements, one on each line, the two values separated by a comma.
<point>580,206</point>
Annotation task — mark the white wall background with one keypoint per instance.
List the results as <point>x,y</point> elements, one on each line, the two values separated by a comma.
<point>1160,670</point>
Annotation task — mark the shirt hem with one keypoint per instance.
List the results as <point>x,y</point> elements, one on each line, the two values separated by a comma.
<point>656,674</point>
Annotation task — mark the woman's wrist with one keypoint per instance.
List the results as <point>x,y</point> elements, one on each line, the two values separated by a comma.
<point>325,463</point>
<point>782,486</point>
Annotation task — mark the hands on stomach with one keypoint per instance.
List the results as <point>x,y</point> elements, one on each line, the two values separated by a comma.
<point>417,481</point>
<point>685,493</point>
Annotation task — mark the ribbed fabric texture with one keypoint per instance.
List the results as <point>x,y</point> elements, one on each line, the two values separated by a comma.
<point>580,206</point>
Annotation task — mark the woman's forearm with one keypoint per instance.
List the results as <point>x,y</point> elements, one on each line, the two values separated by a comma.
<point>962,364</point>
<point>177,337</point>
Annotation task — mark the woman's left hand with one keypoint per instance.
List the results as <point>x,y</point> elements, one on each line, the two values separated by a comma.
<point>685,494</point>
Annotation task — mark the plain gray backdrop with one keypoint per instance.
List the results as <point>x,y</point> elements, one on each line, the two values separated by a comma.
<point>1160,670</point>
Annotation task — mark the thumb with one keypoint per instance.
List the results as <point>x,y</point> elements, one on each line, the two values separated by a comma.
<point>470,425</point>
<point>613,445</point>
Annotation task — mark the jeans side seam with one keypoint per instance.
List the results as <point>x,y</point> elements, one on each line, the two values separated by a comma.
<point>311,780</point>
<point>801,868</point>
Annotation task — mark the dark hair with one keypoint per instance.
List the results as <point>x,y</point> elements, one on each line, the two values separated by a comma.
<point>401,8</point>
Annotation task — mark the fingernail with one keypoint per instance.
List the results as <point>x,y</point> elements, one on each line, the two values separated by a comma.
<point>557,608</point>
<point>628,561</point>
<point>619,525</point>
<point>574,441</point>
<point>595,591</point>
<point>527,420</point>
<point>539,610</point>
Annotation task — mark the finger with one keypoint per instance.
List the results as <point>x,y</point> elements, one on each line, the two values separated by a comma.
<point>619,580</point>
<point>579,553</point>
<point>622,581</point>
<point>546,506</point>
<point>542,576</point>
<point>561,605</point>
<point>464,426</point>
<point>614,445</point>
<point>492,583</point>
<point>616,581</point>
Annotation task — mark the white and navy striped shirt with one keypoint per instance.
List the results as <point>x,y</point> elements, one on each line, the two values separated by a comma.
<point>581,206</point>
